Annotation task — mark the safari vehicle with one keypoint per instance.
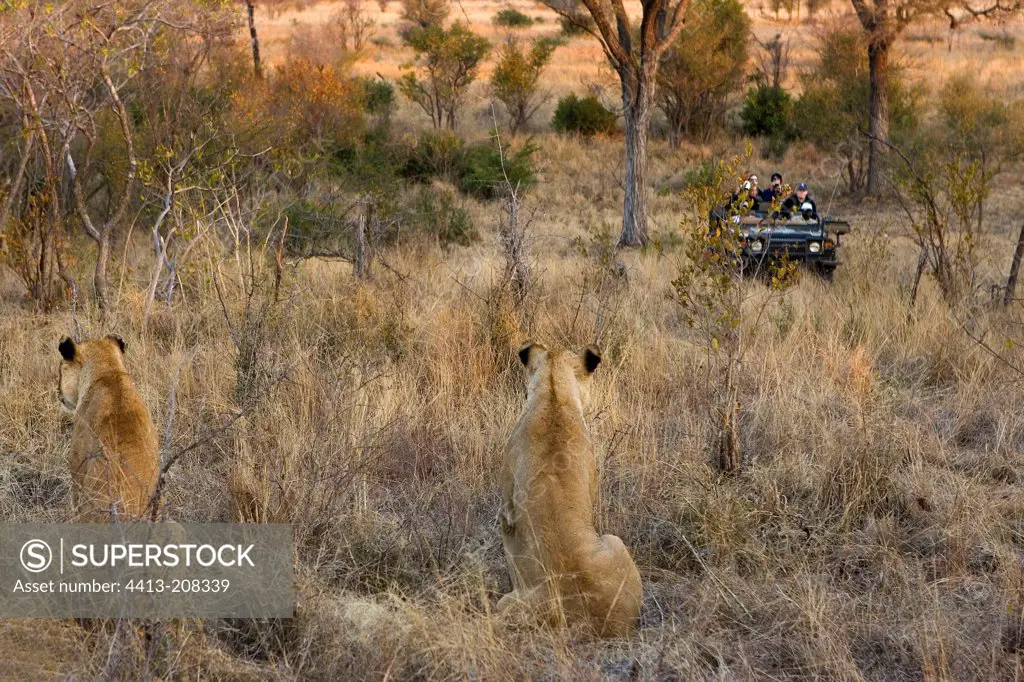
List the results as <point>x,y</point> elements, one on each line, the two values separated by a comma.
<point>764,237</point>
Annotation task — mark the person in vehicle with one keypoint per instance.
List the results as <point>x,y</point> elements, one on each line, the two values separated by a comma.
<point>769,194</point>
<point>747,195</point>
<point>801,204</point>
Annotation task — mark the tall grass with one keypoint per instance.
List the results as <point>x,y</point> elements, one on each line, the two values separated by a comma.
<point>874,532</point>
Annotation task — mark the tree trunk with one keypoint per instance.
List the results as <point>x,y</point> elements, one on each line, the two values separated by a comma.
<point>14,192</point>
<point>1011,281</point>
<point>257,64</point>
<point>517,272</point>
<point>100,275</point>
<point>878,123</point>
<point>729,455</point>
<point>638,104</point>
<point>363,253</point>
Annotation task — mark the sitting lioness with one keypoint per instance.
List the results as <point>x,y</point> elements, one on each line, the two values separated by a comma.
<point>113,459</point>
<point>560,567</point>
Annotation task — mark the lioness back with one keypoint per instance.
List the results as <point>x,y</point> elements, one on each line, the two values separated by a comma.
<point>560,566</point>
<point>113,460</point>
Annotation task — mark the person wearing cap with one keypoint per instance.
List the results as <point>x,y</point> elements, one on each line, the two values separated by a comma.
<point>800,202</point>
<point>769,194</point>
<point>747,196</point>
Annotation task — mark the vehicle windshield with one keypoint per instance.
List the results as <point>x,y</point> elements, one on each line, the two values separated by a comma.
<point>766,218</point>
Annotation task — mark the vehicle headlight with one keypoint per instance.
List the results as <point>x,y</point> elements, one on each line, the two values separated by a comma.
<point>756,246</point>
<point>814,247</point>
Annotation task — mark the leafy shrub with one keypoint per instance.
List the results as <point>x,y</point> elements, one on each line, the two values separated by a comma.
<point>515,80</point>
<point>582,116</point>
<point>1004,40</point>
<point>703,175</point>
<point>378,98</point>
<point>448,62</point>
<point>435,214</point>
<point>703,68</point>
<point>316,226</point>
<point>977,123</point>
<point>303,110</point>
<point>766,111</point>
<point>836,100</point>
<point>438,154</point>
<point>426,13</point>
<point>476,169</point>
<point>483,174</point>
<point>512,18</point>
<point>376,164</point>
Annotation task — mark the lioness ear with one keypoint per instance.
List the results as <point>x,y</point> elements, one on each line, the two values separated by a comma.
<point>118,340</point>
<point>67,349</point>
<point>591,359</point>
<point>524,354</point>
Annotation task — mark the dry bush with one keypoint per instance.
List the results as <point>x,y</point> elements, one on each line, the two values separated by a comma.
<point>345,34</point>
<point>303,110</point>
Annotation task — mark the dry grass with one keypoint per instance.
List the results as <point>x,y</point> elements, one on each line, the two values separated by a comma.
<point>875,533</point>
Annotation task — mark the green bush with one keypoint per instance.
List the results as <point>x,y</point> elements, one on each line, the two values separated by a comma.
<point>435,214</point>
<point>438,154</point>
<point>1004,40</point>
<point>582,116</point>
<point>483,175</point>
<point>475,169</point>
<point>766,112</point>
<point>703,175</point>
<point>516,77</point>
<point>376,165</point>
<point>378,98</point>
<point>315,226</point>
<point>446,64</point>
<point>578,24</point>
<point>702,70</point>
<point>512,18</point>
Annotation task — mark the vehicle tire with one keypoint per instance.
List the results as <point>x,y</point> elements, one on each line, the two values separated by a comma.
<point>826,272</point>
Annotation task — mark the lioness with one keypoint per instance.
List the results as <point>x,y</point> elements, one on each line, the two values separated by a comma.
<point>113,458</point>
<point>560,566</point>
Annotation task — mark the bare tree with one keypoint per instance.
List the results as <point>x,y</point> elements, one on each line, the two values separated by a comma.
<point>357,27</point>
<point>773,60</point>
<point>31,219</point>
<point>257,64</point>
<point>1011,281</point>
<point>634,51</point>
<point>275,7</point>
<point>72,70</point>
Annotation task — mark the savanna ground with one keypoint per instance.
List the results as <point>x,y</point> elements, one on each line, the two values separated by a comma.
<point>875,531</point>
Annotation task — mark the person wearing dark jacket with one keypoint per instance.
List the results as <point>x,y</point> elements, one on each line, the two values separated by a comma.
<point>799,202</point>
<point>769,194</point>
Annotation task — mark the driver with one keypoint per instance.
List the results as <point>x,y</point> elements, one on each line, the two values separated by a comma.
<point>799,201</point>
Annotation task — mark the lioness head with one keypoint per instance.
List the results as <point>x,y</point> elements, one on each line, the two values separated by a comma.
<point>81,362</point>
<point>546,369</point>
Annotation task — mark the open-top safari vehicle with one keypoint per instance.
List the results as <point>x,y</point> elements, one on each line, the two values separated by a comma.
<point>766,237</point>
